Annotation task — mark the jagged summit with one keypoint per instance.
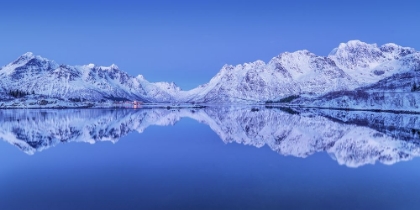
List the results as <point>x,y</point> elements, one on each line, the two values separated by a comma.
<point>28,54</point>
<point>353,44</point>
<point>24,58</point>
<point>29,64</point>
<point>364,50</point>
<point>104,68</point>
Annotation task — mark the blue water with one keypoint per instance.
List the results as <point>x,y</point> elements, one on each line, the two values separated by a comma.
<point>188,166</point>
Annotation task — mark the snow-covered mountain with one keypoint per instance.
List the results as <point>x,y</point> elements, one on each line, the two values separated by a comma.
<point>37,75</point>
<point>352,65</point>
<point>296,73</point>
<point>352,138</point>
<point>368,63</point>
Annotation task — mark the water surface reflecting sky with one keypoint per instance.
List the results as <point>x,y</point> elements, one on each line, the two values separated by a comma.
<point>173,162</point>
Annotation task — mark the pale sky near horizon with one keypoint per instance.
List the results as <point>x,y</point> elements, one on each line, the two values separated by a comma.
<point>187,42</point>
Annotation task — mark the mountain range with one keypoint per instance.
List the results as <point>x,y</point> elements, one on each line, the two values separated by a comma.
<point>351,68</point>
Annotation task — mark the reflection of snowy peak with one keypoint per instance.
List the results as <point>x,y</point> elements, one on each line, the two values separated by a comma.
<point>35,130</point>
<point>387,138</point>
<point>303,135</point>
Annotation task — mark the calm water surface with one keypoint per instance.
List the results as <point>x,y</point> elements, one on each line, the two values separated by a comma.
<point>212,158</point>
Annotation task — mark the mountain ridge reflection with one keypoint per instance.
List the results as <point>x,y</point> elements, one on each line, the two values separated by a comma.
<point>351,138</point>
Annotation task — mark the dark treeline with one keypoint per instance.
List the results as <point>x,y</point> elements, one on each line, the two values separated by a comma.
<point>20,93</point>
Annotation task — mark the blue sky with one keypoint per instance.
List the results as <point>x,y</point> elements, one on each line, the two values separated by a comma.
<point>187,42</point>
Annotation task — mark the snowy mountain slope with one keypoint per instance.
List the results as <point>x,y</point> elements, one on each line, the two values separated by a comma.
<point>360,100</point>
<point>34,74</point>
<point>295,73</point>
<point>399,92</point>
<point>352,138</point>
<point>351,65</point>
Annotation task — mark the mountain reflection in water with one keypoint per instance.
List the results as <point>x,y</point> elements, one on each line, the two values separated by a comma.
<point>352,138</point>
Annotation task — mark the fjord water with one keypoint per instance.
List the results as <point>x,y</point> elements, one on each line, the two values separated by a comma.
<point>209,158</point>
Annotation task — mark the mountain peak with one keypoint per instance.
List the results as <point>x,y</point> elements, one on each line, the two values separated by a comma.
<point>355,43</point>
<point>31,55</point>
<point>28,55</point>
<point>351,47</point>
<point>357,55</point>
<point>113,66</point>
<point>359,47</point>
<point>109,68</point>
<point>30,61</point>
<point>24,58</point>
<point>103,68</point>
<point>397,50</point>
